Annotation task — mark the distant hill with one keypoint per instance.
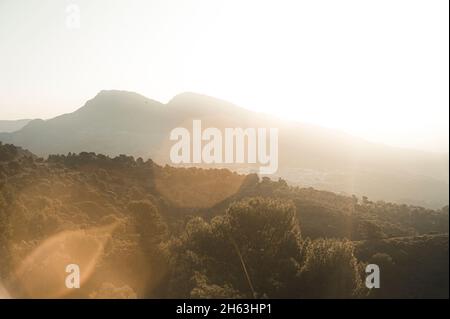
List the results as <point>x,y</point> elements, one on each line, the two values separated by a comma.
<point>120,122</point>
<point>13,125</point>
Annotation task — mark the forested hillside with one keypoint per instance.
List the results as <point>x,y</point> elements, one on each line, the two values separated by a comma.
<point>138,229</point>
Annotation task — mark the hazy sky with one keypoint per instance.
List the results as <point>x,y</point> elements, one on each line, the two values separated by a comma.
<point>377,69</point>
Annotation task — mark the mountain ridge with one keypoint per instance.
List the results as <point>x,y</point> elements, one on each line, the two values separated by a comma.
<point>13,125</point>
<point>123,122</point>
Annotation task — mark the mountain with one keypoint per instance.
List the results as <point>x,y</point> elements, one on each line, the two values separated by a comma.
<point>14,125</point>
<point>120,122</point>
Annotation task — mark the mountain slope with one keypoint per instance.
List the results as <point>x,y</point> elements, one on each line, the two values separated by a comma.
<point>120,122</point>
<point>13,125</point>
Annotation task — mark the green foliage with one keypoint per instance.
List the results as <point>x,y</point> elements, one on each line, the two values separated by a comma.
<point>149,225</point>
<point>7,152</point>
<point>255,250</point>
<point>205,290</point>
<point>330,270</point>
<point>328,215</point>
<point>411,267</point>
<point>241,250</point>
<point>194,233</point>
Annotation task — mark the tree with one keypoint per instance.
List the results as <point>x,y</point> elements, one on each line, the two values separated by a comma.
<point>330,270</point>
<point>149,224</point>
<point>253,250</point>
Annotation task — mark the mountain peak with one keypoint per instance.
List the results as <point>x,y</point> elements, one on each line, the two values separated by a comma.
<point>117,100</point>
<point>119,94</point>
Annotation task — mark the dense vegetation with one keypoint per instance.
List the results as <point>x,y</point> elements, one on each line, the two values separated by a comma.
<point>195,233</point>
